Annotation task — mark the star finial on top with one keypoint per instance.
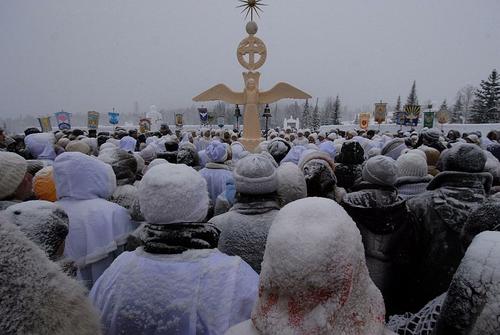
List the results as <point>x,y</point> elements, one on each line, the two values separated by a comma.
<point>251,7</point>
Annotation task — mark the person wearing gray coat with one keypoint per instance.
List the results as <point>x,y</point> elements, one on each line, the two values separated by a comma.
<point>245,227</point>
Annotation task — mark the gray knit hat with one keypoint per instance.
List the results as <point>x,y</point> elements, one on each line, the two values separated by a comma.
<point>380,170</point>
<point>13,168</point>
<point>255,174</point>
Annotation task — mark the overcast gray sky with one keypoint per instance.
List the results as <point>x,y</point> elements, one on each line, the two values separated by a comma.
<point>98,54</point>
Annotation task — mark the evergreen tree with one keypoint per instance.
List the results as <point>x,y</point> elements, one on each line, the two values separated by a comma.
<point>487,97</point>
<point>458,110</point>
<point>412,98</point>
<point>398,104</point>
<point>327,117</point>
<point>336,111</point>
<point>306,116</point>
<point>315,120</point>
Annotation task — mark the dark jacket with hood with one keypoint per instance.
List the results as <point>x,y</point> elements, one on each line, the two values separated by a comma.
<point>382,219</point>
<point>439,216</point>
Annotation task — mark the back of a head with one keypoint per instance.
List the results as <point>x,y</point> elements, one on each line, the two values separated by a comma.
<point>291,183</point>
<point>83,177</point>
<point>484,218</point>
<point>278,148</point>
<point>255,174</point>
<point>124,164</point>
<point>411,165</point>
<point>464,158</point>
<point>171,193</point>
<point>471,305</point>
<point>13,169</point>
<point>351,153</point>
<point>37,298</point>
<point>380,170</point>
<point>216,152</point>
<point>314,277</point>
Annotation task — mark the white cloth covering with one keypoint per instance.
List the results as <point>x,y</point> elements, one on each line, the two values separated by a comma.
<point>196,292</point>
<point>97,227</point>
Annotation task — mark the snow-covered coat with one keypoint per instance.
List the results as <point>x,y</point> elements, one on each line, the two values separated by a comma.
<point>216,176</point>
<point>36,297</point>
<point>382,218</point>
<point>244,229</point>
<point>471,304</point>
<point>408,187</point>
<point>314,279</point>
<point>196,292</point>
<point>97,228</point>
<point>439,215</point>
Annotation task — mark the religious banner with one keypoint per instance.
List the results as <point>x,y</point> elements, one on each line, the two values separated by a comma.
<point>144,125</point>
<point>412,114</point>
<point>364,120</point>
<point>380,112</point>
<point>114,117</point>
<point>45,124</point>
<point>63,120</point>
<point>203,115</point>
<point>429,119</point>
<point>399,117</point>
<point>179,120</point>
<point>443,116</point>
<point>92,120</point>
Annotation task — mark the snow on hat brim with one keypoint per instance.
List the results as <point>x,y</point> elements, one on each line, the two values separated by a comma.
<point>13,168</point>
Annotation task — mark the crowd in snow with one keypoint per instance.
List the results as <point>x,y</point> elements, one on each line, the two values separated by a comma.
<point>187,232</point>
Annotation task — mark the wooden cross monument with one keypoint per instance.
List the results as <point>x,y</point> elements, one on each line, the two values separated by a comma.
<point>251,55</point>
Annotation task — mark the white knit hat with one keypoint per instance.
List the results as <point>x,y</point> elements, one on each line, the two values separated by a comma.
<point>171,193</point>
<point>255,174</point>
<point>13,168</point>
<point>411,165</point>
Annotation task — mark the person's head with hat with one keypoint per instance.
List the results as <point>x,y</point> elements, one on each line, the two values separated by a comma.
<point>15,181</point>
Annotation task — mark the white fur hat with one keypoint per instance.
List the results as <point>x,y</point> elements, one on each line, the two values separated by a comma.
<point>255,174</point>
<point>13,168</point>
<point>170,193</point>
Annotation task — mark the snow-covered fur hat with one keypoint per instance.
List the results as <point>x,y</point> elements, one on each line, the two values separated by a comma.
<point>216,152</point>
<point>12,170</point>
<point>472,299</point>
<point>124,164</point>
<point>43,222</point>
<point>188,155</point>
<point>314,278</point>
<point>464,158</point>
<point>278,148</point>
<point>380,170</point>
<point>393,148</point>
<point>171,193</point>
<point>411,165</point>
<point>316,155</point>
<point>291,183</point>
<point>37,297</point>
<point>255,174</point>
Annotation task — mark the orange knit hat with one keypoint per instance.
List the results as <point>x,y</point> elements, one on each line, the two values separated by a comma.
<point>44,186</point>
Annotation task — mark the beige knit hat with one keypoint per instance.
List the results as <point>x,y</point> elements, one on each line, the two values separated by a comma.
<point>13,168</point>
<point>78,146</point>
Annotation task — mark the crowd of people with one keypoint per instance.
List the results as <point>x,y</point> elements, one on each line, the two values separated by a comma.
<point>188,232</point>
